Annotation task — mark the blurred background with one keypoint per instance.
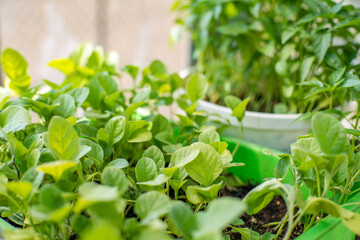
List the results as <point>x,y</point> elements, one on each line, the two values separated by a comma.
<point>138,30</point>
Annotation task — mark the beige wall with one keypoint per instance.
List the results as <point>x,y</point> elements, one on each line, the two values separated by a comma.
<point>45,29</point>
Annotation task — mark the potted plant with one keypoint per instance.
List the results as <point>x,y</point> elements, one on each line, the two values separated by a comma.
<point>278,53</point>
<point>119,172</point>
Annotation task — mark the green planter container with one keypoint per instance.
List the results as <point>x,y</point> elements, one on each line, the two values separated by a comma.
<point>259,166</point>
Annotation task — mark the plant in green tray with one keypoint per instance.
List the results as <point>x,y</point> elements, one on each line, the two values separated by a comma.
<point>271,51</point>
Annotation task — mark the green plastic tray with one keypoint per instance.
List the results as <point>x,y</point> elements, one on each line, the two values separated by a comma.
<point>259,166</point>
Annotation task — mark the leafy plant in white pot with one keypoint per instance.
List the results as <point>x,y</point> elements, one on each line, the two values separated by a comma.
<point>289,57</point>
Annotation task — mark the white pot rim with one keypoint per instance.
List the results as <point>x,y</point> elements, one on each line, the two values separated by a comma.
<point>258,120</point>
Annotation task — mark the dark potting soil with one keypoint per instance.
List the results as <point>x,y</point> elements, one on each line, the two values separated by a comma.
<point>274,212</point>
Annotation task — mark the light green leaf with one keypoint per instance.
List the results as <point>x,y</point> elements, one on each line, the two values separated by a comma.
<point>145,170</point>
<point>79,95</point>
<point>152,205</point>
<point>196,194</point>
<point>96,153</point>
<point>183,219</point>
<point>207,166</point>
<point>116,129</point>
<point>65,65</point>
<point>138,131</point>
<point>66,106</point>
<point>282,167</point>
<point>63,139</point>
<point>115,177</point>
<point>118,163</point>
<point>20,188</point>
<point>158,181</point>
<point>155,154</point>
<point>306,65</point>
<point>330,134</point>
<point>321,43</point>
<point>56,168</point>
<point>13,64</point>
<point>14,118</point>
<point>209,136</point>
<point>196,87</point>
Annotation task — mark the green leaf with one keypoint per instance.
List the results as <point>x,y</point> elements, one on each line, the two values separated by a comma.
<point>321,43</point>
<point>287,34</point>
<point>282,167</point>
<point>209,136</point>
<point>131,109</point>
<point>196,87</point>
<point>220,213</point>
<point>350,219</point>
<point>306,65</point>
<point>96,153</point>
<point>207,166</point>
<point>13,64</point>
<point>56,168</point>
<point>335,77</point>
<point>20,188</point>
<point>100,86</point>
<point>51,197</point>
<point>197,195</point>
<point>262,195</point>
<point>138,131</point>
<point>183,156</point>
<point>115,177</point>
<point>237,106</point>
<point>79,95</point>
<point>330,134</point>
<point>4,225</point>
<point>14,118</point>
<point>91,193</point>
<point>63,139</point>
<point>145,170</point>
<point>132,70</point>
<point>183,219</point>
<point>233,28</point>
<point>102,230</point>
<point>118,163</point>
<point>158,181</point>
<point>65,65</point>
<point>155,154</point>
<point>220,147</point>
<point>66,106</point>
<point>152,205</point>
<point>116,129</point>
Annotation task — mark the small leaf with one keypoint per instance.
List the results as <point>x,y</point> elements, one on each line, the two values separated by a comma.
<point>282,167</point>
<point>63,139</point>
<point>152,205</point>
<point>155,154</point>
<point>116,129</point>
<point>306,65</point>
<point>145,170</point>
<point>209,136</point>
<point>196,87</point>
<point>67,66</point>
<point>138,131</point>
<point>196,194</point>
<point>56,168</point>
<point>14,118</point>
<point>115,177</point>
<point>321,43</point>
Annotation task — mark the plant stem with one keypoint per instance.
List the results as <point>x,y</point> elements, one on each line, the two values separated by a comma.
<point>241,128</point>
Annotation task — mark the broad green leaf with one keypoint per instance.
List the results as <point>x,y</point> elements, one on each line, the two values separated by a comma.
<point>115,177</point>
<point>287,34</point>
<point>155,154</point>
<point>132,70</point>
<point>321,43</point>
<point>118,163</point>
<point>152,205</point>
<point>63,139</point>
<point>96,153</point>
<point>183,219</point>
<point>145,170</point>
<point>158,181</point>
<point>183,156</point>
<point>66,106</point>
<point>91,193</point>
<point>51,197</point>
<point>131,109</point>
<point>196,87</point>
<point>102,230</point>
<point>232,101</point>
<point>282,167</point>
<point>196,194</point>
<point>207,166</point>
<point>65,65</point>
<point>20,188</point>
<point>220,213</point>
<point>13,64</point>
<point>79,95</point>
<point>103,135</point>
<point>330,134</point>
<point>335,77</point>
<point>239,111</point>
<point>56,168</point>
<point>142,95</point>
<point>14,118</point>
<point>138,131</point>
<point>100,86</point>
<point>306,65</point>
<point>350,219</point>
<point>233,28</point>
<point>116,129</point>
<point>220,147</point>
<point>209,136</point>
<point>262,195</point>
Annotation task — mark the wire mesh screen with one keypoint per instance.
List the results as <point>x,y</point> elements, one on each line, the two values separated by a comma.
<point>45,29</point>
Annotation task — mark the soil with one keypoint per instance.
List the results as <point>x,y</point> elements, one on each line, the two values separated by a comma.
<point>274,212</point>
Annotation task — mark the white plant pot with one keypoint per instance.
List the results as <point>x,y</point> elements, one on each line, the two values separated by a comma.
<point>276,131</point>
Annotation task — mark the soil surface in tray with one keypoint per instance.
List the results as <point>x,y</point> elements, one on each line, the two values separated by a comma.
<point>274,212</point>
